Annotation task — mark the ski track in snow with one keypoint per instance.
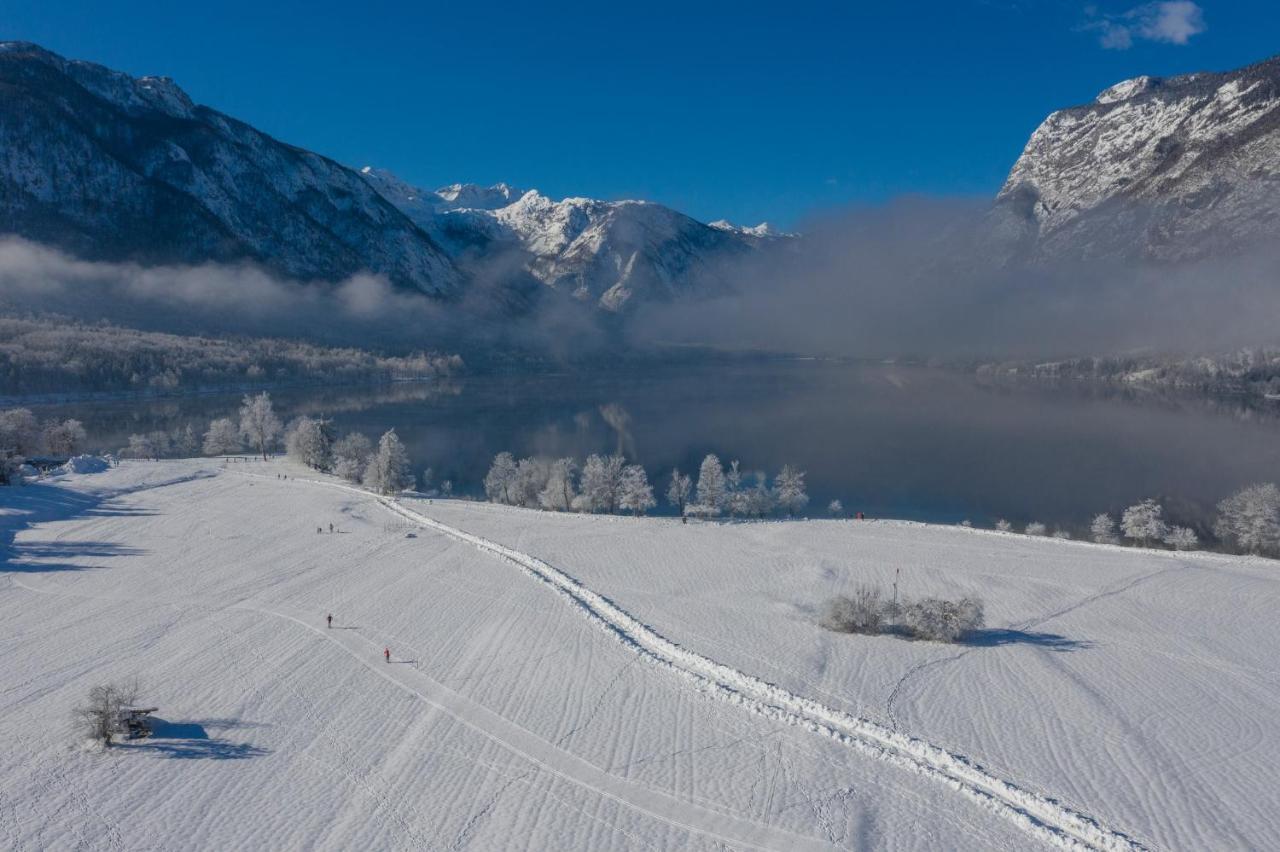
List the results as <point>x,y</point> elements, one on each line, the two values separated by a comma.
<point>1044,818</point>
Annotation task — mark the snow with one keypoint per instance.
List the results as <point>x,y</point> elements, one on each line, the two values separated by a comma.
<point>565,681</point>
<point>85,464</point>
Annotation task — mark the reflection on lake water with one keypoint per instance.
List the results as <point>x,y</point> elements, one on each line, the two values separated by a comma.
<point>892,441</point>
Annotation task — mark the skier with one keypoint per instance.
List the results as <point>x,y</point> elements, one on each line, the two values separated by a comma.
<point>331,526</point>
<point>386,653</point>
<point>331,619</point>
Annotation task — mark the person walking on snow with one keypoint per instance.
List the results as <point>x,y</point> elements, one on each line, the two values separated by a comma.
<point>331,619</point>
<point>386,653</point>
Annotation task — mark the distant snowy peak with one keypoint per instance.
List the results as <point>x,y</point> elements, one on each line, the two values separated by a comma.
<point>764,229</point>
<point>609,253</point>
<point>1163,167</point>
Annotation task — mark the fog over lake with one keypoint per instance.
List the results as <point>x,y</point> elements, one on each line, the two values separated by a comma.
<point>892,441</point>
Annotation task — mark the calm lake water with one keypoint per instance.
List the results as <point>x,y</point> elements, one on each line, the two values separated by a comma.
<point>888,440</point>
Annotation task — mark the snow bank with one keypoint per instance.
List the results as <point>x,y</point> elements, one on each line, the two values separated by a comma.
<point>85,464</point>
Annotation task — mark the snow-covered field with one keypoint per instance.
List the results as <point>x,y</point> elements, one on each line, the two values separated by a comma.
<point>580,682</point>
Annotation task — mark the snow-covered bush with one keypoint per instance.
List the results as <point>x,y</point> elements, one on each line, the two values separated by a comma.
<point>1143,522</point>
<point>1061,534</point>
<point>941,620</point>
<point>1004,526</point>
<point>1182,538</point>
<point>560,490</point>
<point>861,612</point>
<point>531,478</point>
<point>835,509</point>
<point>1250,519</point>
<point>1036,528</point>
<point>1103,529</point>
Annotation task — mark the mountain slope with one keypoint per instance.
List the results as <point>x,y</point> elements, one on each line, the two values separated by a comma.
<point>108,166</point>
<point>1168,169</point>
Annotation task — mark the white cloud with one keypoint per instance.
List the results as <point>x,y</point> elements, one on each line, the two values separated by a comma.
<point>1166,21</point>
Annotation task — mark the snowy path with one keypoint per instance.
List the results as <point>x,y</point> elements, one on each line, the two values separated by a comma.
<point>1040,816</point>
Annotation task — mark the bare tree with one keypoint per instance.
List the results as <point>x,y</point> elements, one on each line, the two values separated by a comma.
<point>99,717</point>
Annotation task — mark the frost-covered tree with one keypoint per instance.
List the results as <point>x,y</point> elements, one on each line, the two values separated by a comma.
<point>861,612</point>
<point>1250,519</point>
<point>99,717</point>
<point>1103,529</point>
<point>308,441</point>
<point>161,444</point>
<point>351,456</point>
<point>634,492</point>
<point>19,432</point>
<point>601,483</point>
<point>1004,526</point>
<point>388,470</point>
<point>835,509</point>
<point>734,499</point>
<point>789,490</point>
<point>530,480</point>
<point>1182,538</point>
<point>140,447</point>
<point>1143,522</point>
<point>560,490</point>
<point>500,481</point>
<point>64,438</point>
<point>760,497</point>
<point>222,438</point>
<point>1036,528</point>
<point>679,490</point>
<point>1061,534</point>
<point>942,620</point>
<point>258,423</point>
<point>187,443</point>
<point>711,486</point>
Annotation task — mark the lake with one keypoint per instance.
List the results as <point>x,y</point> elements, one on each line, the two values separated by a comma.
<point>892,441</point>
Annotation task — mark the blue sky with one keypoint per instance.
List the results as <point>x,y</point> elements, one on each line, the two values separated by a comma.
<point>739,110</point>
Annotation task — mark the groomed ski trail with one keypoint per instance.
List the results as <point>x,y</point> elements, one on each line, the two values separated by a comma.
<point>1044,818</point>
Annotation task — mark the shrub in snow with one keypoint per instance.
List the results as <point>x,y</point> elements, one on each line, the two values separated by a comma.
<point>1004,526</point>
<point>861,612</point>
<point>942,620</point>
<point>1036,528</point>
<point>1182,538</point>
<point>788,490</point>
<point>1061,534</point>
<point>1143,522</point>
<point>351,456</point>
<point>835,509</point>
<point>222,438</point>
<point>1250,519</point>
<point>259,424</point>
<point>966,523</point>
<point>1103,530</point>
<point>99,717</point>
<point>760,498</point>
<point>140,447</point>
<point>679,490</point>
<point>388,469</point>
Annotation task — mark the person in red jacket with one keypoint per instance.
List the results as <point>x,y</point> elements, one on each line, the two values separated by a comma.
<point>386,653</point>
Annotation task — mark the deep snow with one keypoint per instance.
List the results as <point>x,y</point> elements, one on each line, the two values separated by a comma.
<point>592,682</point>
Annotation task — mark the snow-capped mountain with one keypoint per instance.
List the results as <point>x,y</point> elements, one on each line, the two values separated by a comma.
<point>108,166</point>
<point>608,253</point>
<point>1166,168</point>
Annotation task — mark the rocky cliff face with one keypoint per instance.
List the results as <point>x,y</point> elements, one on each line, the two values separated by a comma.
<point>1166,169</point>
